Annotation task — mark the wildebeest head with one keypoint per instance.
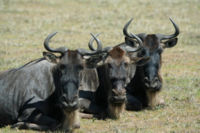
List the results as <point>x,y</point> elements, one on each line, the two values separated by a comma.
<point>66,71</point>
<point>116,63</point>
<point>153,46</point>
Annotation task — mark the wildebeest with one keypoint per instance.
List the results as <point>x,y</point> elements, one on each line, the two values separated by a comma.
<point>43,94</point>
<point>146,84</point>
<point>113,75</point>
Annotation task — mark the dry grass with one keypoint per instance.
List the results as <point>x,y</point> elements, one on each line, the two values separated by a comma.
<point>25,23</point>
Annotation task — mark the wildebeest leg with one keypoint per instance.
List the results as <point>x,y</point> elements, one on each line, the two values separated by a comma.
<point>26,125</point>
<point>88,106</point>
<point>36,126</point>
<point>133,103</point>
<point>86,116</point>
<point>36,121</point>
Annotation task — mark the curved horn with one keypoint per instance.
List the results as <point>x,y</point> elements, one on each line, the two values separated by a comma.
<point>132,36</point>
<point>61,50</point>
<point>176,33</point>
<point>99,44</point>
<point>137,38</point>
<point>90,44</point>
<point>133,49</point>
<point>126,27</point>
<point>141,36</point>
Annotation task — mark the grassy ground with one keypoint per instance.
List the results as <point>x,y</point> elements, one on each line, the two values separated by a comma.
<point>25,23</point>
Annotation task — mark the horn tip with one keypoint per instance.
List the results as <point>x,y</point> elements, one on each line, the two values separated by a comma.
<point>130,20</point>
<point>174,24</point>
<point>92,35</point>
<point>171,20</point>
<point>95,35</point>
<point>53,34</point>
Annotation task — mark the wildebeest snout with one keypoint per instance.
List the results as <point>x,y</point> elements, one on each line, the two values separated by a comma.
<point>118,96</point>
<point>118,92</point>
<point>69,104</point>
<point>154,84</point>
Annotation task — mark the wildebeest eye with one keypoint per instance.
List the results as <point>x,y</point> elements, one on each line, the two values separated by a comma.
<point>159,50</point>
<point>109,65</point>
<point>142,53</point>
<point>157,66</point>
<point>62,66</point>
<point>126,64</point>
<point>80,67</point>
<point>113,79</point>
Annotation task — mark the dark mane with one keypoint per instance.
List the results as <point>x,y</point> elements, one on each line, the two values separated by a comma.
<point>28,64</point>
<point>151,41</point>
<point>117,53</point>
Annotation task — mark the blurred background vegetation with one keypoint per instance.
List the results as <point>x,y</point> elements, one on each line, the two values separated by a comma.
<point>24,24</point>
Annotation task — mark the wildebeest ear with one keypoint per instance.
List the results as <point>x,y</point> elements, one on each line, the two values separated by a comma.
<point>130,42</point>
<point>94,61</point>
<point>140,61</point>
<point>170,43</point>
<point>50,57</point>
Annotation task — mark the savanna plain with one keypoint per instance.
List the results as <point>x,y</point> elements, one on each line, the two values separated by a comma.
<point>24,24</point>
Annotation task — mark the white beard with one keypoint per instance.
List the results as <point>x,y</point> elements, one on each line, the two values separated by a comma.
<point>115,111</point>
<point>152,98</point>
<point>71,120</point>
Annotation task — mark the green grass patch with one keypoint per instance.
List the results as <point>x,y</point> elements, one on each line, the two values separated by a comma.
<point>24,24</point>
